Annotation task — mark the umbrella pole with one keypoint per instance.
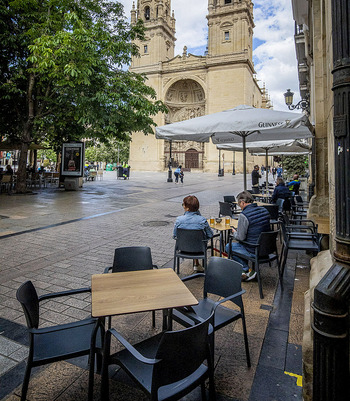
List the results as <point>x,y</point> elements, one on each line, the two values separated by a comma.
<point>170,174</point>
<point>244,163</point>
<point>267,173</point>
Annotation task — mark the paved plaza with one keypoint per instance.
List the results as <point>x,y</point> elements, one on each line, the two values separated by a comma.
<point>58,239</point>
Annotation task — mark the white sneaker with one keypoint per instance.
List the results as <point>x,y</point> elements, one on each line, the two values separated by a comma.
<point>251,275</point>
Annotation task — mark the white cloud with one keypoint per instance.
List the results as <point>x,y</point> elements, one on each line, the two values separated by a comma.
<point>274,56</point>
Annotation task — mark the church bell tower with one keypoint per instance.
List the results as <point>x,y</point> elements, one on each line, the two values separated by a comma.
<point>230,27</point>
<point>160,38</point>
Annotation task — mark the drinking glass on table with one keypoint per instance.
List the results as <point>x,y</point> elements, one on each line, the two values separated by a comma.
<point>212,220</point>
<point>227,221</point>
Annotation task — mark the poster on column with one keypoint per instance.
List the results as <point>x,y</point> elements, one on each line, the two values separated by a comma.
<point>72,159</point>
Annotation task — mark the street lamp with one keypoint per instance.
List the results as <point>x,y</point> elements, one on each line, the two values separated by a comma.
<point>303,104</point>
<point>170,175</point>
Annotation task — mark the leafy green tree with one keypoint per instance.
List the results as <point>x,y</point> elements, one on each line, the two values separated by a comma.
<point>109,152</point>
<point>62,76</point>
<point>295,165</point>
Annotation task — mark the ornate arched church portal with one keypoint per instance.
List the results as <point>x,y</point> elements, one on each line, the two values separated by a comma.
<point>185,99</point>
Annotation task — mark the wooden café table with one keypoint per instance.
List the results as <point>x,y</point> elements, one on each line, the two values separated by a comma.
<point>139,291</point>
<point>265,197</point>
<point>222,227</point>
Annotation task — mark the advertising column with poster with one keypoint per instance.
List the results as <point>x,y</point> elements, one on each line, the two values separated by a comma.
<point>72,165</point>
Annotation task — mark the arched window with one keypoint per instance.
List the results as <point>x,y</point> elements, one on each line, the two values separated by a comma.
<point>147,13</point>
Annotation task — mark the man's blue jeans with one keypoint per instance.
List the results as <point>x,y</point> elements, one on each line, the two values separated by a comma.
<point>237,247</point>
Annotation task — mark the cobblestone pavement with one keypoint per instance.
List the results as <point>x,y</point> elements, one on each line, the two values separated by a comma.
<point>58,239</point>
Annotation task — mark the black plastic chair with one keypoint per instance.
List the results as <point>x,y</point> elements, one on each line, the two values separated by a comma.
<point>299,241</point>
<point>60,342</point>
<point>132,258</point>
<point>225,209</point>
<point>222,278</point>
<point>297,211</point>
<point>265,252</point>
<point>299,228</point>
<point>232,201</point>
<point>300,202</point>
<point>167,366</point>
<point>229,198</point>
<point>190,244</point>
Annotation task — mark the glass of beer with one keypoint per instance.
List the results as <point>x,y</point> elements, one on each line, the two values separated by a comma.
<point>212,220</point>
<point>227,221</point>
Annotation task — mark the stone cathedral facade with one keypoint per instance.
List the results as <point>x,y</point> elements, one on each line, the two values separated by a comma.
<point>193,86</point>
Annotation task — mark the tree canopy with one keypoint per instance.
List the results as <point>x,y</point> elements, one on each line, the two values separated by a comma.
<point>62,73</point>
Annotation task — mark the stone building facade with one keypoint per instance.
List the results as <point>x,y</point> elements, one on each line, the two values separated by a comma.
<point>322,38</point>
<point>193,86</point>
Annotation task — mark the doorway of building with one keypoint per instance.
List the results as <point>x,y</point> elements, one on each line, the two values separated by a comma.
<point>191,158</point>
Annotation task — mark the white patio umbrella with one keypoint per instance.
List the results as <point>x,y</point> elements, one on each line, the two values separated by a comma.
<point>266,148</point>
<point>241,124</point>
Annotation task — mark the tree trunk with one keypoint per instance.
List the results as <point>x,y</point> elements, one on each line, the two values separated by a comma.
<point>21,186</point>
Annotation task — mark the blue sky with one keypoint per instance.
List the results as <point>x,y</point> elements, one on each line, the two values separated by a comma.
<point>273,44</point>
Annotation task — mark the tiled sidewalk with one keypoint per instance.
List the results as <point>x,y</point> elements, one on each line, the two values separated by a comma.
<point>58,239</point>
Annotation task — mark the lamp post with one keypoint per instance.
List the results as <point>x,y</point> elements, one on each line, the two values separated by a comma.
<point>233,162</point>
<point>170,174</point>
<point>303,104</point>
<point>220,172</point>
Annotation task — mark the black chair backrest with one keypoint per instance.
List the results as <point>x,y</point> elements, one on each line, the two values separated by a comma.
<point>225,209</point>
<point>193,241</point>
<point>285,221</point>
<point>229,198</point>
<point>299,199</point>
<point>267,243</point>
<point>273,210</point>
<point>223,277</point>
<point>181,353</point>
<point>28,297</point>
<point>132,258</point>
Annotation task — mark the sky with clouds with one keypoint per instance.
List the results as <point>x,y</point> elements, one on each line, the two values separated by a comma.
<point>273,46</point>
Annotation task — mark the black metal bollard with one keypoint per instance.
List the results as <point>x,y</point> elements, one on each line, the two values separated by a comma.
<point>331,365</point>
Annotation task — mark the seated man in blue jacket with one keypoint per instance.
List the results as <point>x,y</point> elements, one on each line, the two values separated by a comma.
<point>252,222</point>
<point>281,192</point>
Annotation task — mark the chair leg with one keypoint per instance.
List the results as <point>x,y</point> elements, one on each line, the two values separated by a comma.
<point>204,396</point>
<point>26,381</point>
<point>212,393</point>
<point>104,373</point>
<point>245,335</point>
<point>285,256</point>
<point>279,259</point>
<point>91,373</point>
<point>259,280</point>
<point>153,319</point>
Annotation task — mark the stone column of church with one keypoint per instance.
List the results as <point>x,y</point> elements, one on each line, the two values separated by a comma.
<point>319,204</point>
